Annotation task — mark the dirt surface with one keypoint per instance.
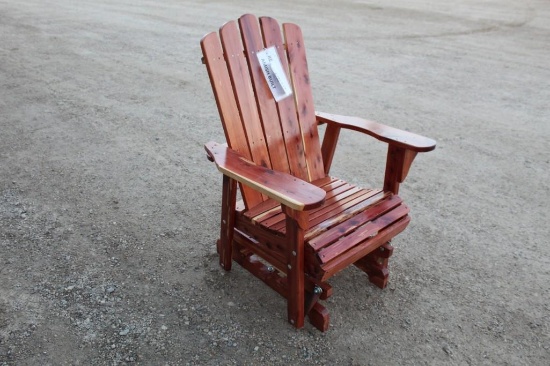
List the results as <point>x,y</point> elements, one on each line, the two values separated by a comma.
<point>109,209</point>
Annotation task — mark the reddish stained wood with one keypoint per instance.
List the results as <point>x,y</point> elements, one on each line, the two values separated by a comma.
<point>296,222</point>
<point>275,219</point>
<point>261,208</point>
<point>375,265</point>
<point>349,227</point>
<point>288,116</point>
<point>266,206</point>
<point>407,162</point>
<point>253,43</point>
<point>394,159</point>
<point>242,87</point>
<point>229,196</point>
<point>275,258</point>
<point>282,187</point>
<point>359,251</point>
<point>276,243</point>
<point>339,231</point>
<point>391,135</point>
<point>304,99</point>
<point>344,202</point>
<point>398,163</point>
<point>324,181</point>
<point>362,233</point>
<point>330,141</point>
<point>335,184</point>
<point>261,271</point>
<point>227,105</point>
<point>319,317</point>
<point>337,195</point>
<point>322,224</point>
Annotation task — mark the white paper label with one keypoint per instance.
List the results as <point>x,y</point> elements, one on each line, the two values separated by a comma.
<point>274,73</point>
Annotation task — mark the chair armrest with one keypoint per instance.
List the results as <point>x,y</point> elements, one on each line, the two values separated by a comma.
<point>282,187</point>
<point>392,136</point>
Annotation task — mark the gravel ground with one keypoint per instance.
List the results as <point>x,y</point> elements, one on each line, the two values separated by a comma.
<point>109,209</point>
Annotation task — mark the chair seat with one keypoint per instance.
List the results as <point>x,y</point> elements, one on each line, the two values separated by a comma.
<point>352,222</point>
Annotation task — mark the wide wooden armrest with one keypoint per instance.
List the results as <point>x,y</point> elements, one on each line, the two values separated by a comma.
<point>283,188</point>
<point>382,132</point>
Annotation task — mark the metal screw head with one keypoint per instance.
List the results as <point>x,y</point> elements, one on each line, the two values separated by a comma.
<point>381,249</point>
<point>270,269</point>
<point>317,290</point>
<point>294,253</point>
<point>289,266</point>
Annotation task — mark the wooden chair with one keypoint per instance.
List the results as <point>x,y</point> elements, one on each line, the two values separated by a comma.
<point>296,226</point>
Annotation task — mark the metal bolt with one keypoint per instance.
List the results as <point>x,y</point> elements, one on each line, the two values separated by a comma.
<point>317,290</point>
<point>289,266</point>
<point>381,249</point>
<point>270,269</point>
<point>291,321</point>
<point>294,253</point>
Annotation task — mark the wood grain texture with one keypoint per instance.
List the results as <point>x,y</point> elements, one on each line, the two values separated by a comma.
<point>330,140</point>
<point>227,105</point>
<point>382,132</point>
<point>284,188</point>
<point>306,225</point>
<point>244,93</point>
<point>359,251</point>
<point>288,115</point>
<point>295,224</point>
<point>269,117</point>
<point>368,230</point>
<point>229,197</point>
<point>303,98</point>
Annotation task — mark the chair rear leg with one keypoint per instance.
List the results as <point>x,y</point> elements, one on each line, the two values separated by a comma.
<point>375,265</point>
<point>229,198</point>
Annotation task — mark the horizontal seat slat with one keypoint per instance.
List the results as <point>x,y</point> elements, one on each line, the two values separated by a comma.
<point>359,251</point>
<point>338,231</point>
<point>367,230</point>
<point>344,203</point>
<point>275,219</point>
<point>268,205</point>
<point>323,225</point>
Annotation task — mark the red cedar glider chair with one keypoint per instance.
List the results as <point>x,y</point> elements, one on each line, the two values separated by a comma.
<point>296,225</point>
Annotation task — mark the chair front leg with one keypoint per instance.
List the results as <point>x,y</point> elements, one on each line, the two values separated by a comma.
<point>296,224</point>
<point>229,198</point>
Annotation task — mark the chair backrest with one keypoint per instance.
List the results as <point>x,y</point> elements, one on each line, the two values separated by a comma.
<point>279,135</point>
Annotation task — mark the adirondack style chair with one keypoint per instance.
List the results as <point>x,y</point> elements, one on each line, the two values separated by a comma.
<point>296,226</point>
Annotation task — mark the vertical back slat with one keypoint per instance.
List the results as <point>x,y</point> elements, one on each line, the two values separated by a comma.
<point>252,42</point>
<point>227,105</point>
<point>304,99</point>
<point>244,93</point>
<point>286,107</point>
